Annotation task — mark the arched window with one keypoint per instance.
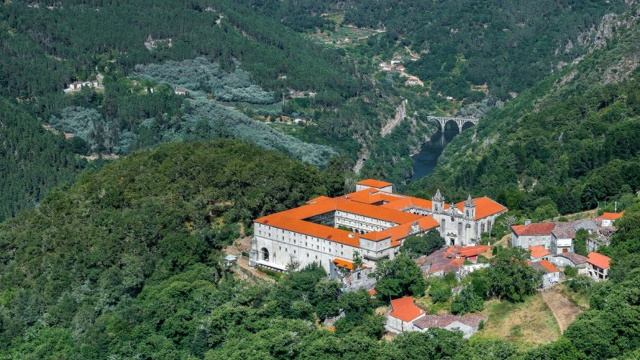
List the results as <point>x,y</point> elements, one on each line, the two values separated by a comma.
<point>265,254</point>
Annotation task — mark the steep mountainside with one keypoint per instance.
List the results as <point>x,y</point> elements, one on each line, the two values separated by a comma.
<point>570,142</point>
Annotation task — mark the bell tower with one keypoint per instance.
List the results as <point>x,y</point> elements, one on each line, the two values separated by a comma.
<point>469,209</point>
<point>437,203</point>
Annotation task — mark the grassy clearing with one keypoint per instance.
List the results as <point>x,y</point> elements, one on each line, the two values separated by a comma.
<point>581,300</point>
<point>527,324</point>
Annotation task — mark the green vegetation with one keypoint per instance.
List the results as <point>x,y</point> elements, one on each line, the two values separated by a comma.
<point>415,246</point>
<point>564,146</point>
<point>397,278</point>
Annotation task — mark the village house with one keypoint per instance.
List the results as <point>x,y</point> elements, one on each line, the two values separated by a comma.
<point>539,253</point>
<point>373,221</point>
<point>180,91</point>
<point>413,81</point>
<point>468,324</point>
<point>550,273</point>
<point>607,219</point>
<point>451,260</point>
<point>598,266</point>
<point>562,238</point>
<point>401,315</point>
<point>404,315</point>
<point>570,259</point>
<point>532,234</point>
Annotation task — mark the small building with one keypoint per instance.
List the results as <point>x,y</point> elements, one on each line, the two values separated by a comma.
<point>402,314</point>
<point>539,253</point>
<point>550,273</point>
<point>181,91</point>
<point>375,184</point>
<point>400,68</point>
<point>532,234</point>
<point>468,324</point>
<point>413,81</point>
<point>450,260</point>
<point>607,219</point>
<point>570,259</point>
<point>598,266</point>
<point>562,237</point>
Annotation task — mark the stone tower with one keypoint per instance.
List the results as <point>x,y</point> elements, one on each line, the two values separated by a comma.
<point>437,203</point>
<point>469,209</point>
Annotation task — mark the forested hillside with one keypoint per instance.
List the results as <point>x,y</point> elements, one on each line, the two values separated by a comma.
<point>259,64</point>
<point>566,145</point>
<point>127,264</point>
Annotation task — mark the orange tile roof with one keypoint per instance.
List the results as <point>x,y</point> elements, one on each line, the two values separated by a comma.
<point>612,216</point>
<point>376,212</point>
<point>400,232</point>
<point>371,196</point>
<point>598,260</point>
<point>549,266</point>
<point>405,310</point>
<point>471,251</point>
<point>534,229</point>
<point>344,264</point>
<point>538,251</point>
<point>484,207</point>
<point>374,183</point>
<point>317,199</point>
<point>312,229</point>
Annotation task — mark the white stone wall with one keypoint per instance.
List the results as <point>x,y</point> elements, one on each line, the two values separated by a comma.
<point>285,247</point>
<point>527,241</point>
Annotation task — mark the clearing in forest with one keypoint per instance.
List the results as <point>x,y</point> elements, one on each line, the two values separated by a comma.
<point>527,324</point>
<point>563,309</point>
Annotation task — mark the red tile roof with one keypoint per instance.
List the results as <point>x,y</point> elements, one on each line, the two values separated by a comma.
<point>400,232</point>
<point>484,207</point>
<point>533,229</point>
<point>471,251</point>
<point>374,183</point>
<point>549,266</point>
<point>344,264</point>
<point>598,260</point>
<point>538,251</point>
<point>612,216</point>
<point>405,310</point>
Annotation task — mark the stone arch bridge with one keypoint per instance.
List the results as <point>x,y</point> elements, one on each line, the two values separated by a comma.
<point>459,121</point>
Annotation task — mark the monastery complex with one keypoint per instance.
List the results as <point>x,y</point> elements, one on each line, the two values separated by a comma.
<point>373,221</point>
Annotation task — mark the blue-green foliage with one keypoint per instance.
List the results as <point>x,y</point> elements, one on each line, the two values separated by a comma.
<point>222,121</point>
<point>202,74</point>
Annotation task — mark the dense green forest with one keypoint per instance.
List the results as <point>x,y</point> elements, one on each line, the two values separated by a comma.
<point>570,143</point>
<point>127,264</point>
<point>253,55</point>
<point>508,45</point>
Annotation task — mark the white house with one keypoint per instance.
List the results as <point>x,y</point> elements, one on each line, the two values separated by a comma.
<point>401,315</point>
<point>598,266</point>
<point>532,234</point>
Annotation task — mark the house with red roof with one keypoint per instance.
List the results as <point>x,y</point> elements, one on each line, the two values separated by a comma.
<point>532,234</point>
<point>598,266</point>
<point>401,315</point>
<point>374,184</point>
<point>451,260</point>
<point>607,219</point>
<point>550,273</point>
<point>539,253</point>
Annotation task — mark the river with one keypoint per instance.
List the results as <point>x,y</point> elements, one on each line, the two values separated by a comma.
<point>425,161</point>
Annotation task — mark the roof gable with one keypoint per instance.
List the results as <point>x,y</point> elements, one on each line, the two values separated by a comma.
<point>599,260</point>
<point>405,310</point>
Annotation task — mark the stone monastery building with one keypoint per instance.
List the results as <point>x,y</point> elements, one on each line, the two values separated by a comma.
<point>378,221</point>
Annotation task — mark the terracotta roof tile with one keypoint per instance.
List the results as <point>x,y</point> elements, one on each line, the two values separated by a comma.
<point>543,265</point>
<point>374,183</point>
<point>612,216</point>
<point>573,257</point>
<point>533,229</point>
<point>599,260</point>
<point>538,251</point>
<point>484,207</point>
<point>404,309</point>
<point>344,264</point>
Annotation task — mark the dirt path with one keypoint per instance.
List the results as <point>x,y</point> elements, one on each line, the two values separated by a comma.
<point>401,114</point>
<point>563,310</point>
<point>245,271</point>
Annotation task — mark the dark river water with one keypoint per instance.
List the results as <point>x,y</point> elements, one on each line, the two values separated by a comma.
<point>425,161</point>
